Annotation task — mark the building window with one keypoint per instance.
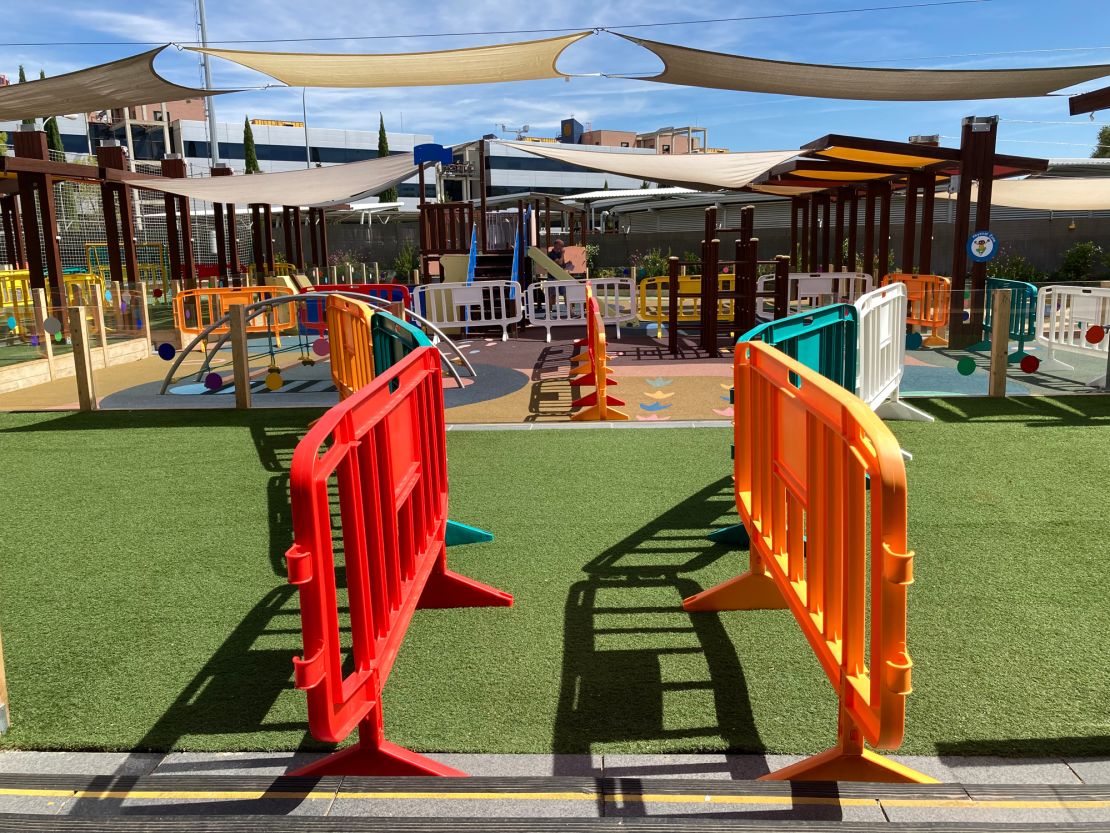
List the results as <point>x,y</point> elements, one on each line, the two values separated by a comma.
<point>158,115</point>
<point>624,144</point>
<point>666,148</point>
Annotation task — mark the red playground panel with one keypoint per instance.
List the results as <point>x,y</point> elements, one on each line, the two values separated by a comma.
<point>382,453</point>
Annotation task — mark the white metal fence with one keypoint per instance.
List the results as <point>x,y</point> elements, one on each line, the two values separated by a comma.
<point>452,306</point>
<point>1065,317</point>
<point>808,290</point>
<point>556,303</point>
<point>882,352</point>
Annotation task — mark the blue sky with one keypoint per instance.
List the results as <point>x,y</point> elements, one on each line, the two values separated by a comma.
<point>1062,32</point>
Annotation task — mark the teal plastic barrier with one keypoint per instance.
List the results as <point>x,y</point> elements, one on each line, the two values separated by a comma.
<point>825,340</point>
<point>393,339</point>
<point>1023,315</point>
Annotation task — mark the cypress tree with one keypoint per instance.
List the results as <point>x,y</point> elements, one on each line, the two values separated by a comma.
<point>53,135</point>
<point>23,80</point>
<point>249,152</point>
<point>389,194</point>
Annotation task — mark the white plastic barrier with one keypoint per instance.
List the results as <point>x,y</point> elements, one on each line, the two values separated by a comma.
<point>816,289</point>
<point>563,303</point>
<point>481,304</point>
<point>882,352</point>
<point>1064,316</point>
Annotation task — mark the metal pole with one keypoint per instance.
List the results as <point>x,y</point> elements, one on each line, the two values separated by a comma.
<point>304,115</point>
<point>213,140</point>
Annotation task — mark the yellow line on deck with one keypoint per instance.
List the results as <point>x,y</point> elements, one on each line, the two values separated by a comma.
<point>612,798</point>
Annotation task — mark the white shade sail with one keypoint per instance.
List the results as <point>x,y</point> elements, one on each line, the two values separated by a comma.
<point>523,61</point>
<point>129,82</point>
<point>716,70</point>
<point>333,185</point>
<point>701,171</point>
<point>1048,194</point>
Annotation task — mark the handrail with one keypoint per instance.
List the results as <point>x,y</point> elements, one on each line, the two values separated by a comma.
<point>256,308</point>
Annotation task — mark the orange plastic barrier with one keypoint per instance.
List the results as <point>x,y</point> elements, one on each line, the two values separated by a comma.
<point>592,369</point>
<point>369,490</point>
<point>351,347</point>
<point>805,450</point>
<point>927,300</point>
<point>195,309</point>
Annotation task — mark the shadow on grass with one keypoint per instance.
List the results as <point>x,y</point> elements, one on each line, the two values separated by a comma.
<point>1031,411</point>
<point>636,667</point>
<point>1095,746</point>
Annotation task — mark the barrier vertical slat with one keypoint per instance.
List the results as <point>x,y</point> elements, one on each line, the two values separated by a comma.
<point>882,351</point>
<point>813,469</point>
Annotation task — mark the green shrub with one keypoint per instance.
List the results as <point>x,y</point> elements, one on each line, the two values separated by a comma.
<point>408,259</point>
<point>653,263</point>
<point>1079,261</point>
<point>1013,266</point>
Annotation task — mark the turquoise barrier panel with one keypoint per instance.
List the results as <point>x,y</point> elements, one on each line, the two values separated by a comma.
<point>1023,315</point>
<point>825,340</point>
<point>393,339</point>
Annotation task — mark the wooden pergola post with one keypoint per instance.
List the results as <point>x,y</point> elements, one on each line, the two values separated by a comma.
<point>977,144</point>
<point>794,201</point>
<point>869,231</point>
<point>256,239</point>
<point>838,252</point>
<point>909,225</point>
<point>227,241</point>
<point>221,241</point>
<point>112,157</point>
<point>298,239</point>
<point>814,235</point>
<point>853,227</point>
<point>314,237</point>
<point>883,243</point>
<point>483,180</point>
<point>928,208</point>
<point>174,169</point>
<point>268,240</point>
<point>826,222</point>
<point>40,218</point>
<point>13,231</point>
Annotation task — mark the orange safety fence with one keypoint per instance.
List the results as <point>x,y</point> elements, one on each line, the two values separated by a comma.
<point>927,300</point>
<point>350,344</point>
<point>815,470</point>
<point>196,309</point>
<point>591,368</point>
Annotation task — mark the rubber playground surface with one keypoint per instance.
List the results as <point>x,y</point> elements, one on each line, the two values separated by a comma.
<point>144,604</point>
<point>524,380</point>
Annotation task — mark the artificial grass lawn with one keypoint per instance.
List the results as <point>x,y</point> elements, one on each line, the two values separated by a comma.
<point>143,604</point>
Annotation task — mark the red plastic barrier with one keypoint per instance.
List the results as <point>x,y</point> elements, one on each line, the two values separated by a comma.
<point>379,459</point>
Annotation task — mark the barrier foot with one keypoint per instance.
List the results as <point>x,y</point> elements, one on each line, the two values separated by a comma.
<point>838,764</point>
<point>1053,363</point>
<point>735,535</point>
<point>934,341</point>
<point>751,591</point>
<point>979,347</point>
<point>1015,358</point>
<point>898,409</point>
<point>446,588</point>
<point>373,755</point>
<point>460,533</point>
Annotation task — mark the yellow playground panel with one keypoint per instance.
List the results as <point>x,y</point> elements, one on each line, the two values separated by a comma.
<point>152,260</point>
<point>655,300</point>
<point>15,294</point>
<point>286,269</point>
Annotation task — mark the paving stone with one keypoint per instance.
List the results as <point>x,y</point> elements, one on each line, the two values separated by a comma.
<point>524,765</point>
<point>234,763</point>
<point>732,767</point>
<point>992,770</point>
<point>80,763</point>
<point>465,808</point>
<point>1091,770</point>
<point>31,805</point>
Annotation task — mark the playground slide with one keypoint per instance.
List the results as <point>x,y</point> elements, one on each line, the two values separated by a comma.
<point>548,265</point>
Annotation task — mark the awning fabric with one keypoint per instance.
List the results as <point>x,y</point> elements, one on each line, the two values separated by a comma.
<point>716,70</point>
<point>523,61</point>
<point>702,171</point>
<point>1049,194</point>
<point>333,185</point>
<point>125,83</point>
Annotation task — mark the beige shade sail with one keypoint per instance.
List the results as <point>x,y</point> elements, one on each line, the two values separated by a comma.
<point>334,185</point>
<point>701,171</point>
<point>524,61</point>
<point>716,70</point>
<point>125,83</point>
<point>1048,194</point>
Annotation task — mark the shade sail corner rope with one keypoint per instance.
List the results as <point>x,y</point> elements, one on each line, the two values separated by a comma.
<point>690,67</point>
<point>128,82</point>
<point>520,61</point>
